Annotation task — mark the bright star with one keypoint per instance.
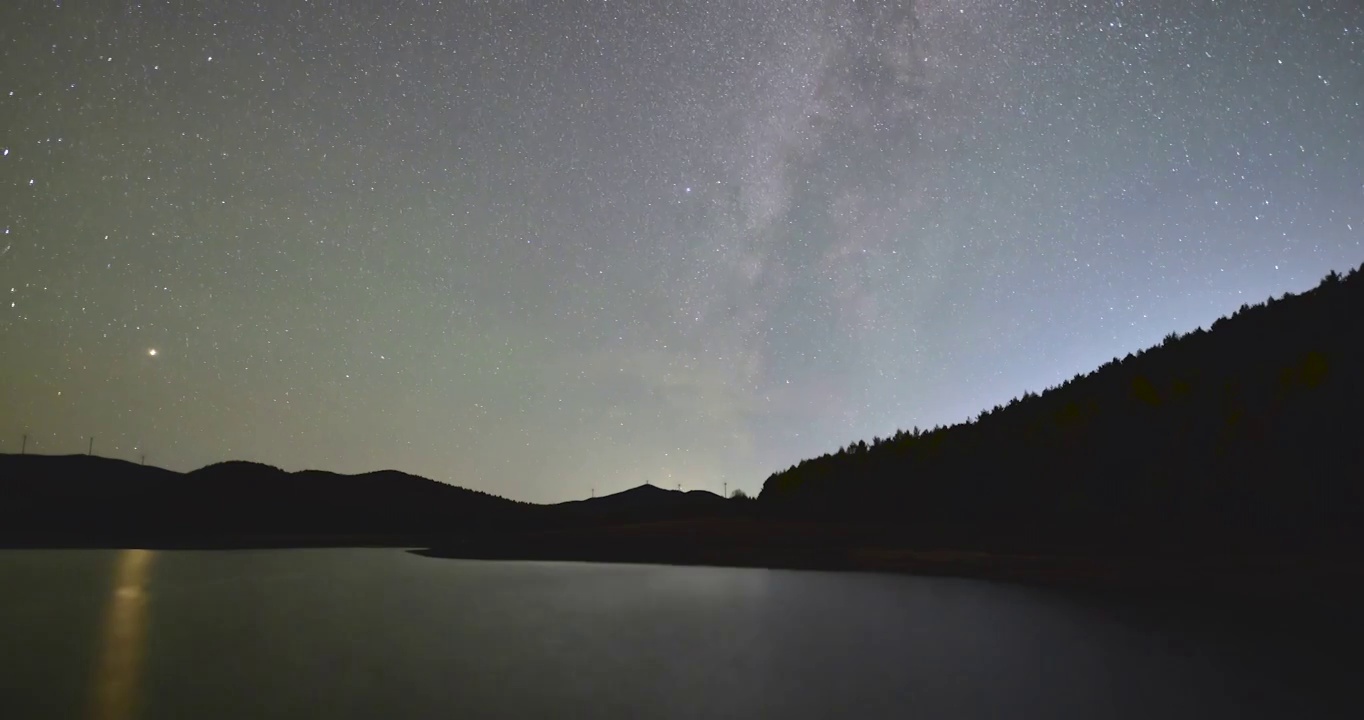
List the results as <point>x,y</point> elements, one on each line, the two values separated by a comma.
<point>152,352</point>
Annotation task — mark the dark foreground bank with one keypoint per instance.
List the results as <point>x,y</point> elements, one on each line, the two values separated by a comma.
<point>746,542</point>
<point>91,502</point>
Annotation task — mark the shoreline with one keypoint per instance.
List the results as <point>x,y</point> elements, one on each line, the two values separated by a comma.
<point>832,549</point>
<point>1230,573</point>
<point>790,545</point>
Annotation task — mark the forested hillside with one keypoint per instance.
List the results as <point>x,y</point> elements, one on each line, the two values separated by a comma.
<point>1245,434</point>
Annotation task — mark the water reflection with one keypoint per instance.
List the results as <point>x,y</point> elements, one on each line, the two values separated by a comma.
<point>117,675</point>
<point>359,633</point>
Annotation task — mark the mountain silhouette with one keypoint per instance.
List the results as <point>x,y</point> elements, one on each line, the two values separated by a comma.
<point>74,500</point>
<point>1245,436</point>
<point>77,500</point>
<point>643,502</point>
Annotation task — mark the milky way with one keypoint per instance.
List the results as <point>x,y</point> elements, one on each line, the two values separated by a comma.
<point>539,248</point>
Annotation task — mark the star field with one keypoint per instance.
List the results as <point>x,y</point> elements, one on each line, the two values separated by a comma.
<point>536,248</point>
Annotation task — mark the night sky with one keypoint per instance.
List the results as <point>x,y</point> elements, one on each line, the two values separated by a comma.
<point>535,248</point>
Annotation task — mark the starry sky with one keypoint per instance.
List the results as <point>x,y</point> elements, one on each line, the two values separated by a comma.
<point>537,248</point>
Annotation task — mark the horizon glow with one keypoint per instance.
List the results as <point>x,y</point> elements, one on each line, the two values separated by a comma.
<point>536,249</point>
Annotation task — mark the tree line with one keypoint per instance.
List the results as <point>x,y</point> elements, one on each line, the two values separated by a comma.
<point>1243,435</point>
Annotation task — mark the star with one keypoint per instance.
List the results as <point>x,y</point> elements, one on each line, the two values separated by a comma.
<point>891,215</point>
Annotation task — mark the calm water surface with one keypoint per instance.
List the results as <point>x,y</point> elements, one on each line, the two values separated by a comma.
<point>384,633</point>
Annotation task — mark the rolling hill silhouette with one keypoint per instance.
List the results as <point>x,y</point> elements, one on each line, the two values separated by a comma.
<point>74,500</point>
<point>640,504</point>
<point>77,500</point>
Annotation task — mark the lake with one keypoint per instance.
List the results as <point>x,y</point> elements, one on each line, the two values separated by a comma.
<point>368,633</point>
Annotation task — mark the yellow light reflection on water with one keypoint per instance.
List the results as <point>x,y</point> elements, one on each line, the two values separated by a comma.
<point>123,639</point>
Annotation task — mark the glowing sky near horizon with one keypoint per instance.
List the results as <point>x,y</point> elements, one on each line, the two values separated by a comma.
<point>534,248</point>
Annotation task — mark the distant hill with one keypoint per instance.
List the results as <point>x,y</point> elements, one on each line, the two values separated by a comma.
<point>74,500</point>
<point>645,503</point>
<point>77,500</point>
<point>1247,435</point>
